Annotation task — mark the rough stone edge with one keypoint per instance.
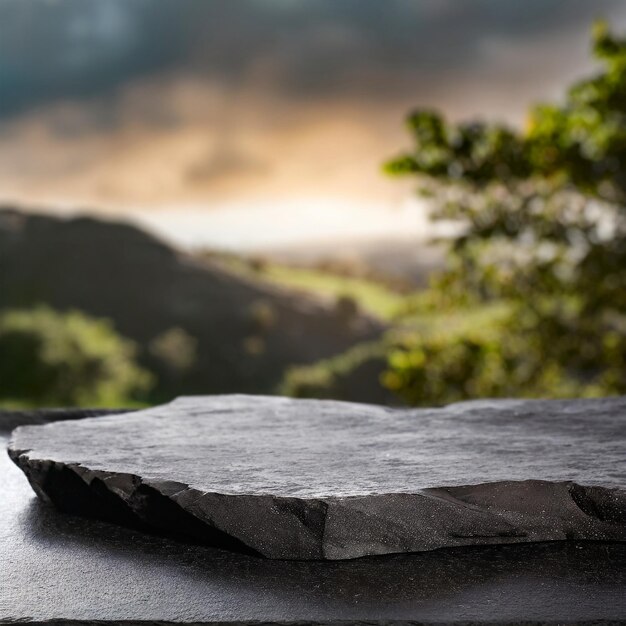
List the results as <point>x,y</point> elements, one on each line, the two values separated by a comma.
<point>334,528</point>
<point>314,622</point>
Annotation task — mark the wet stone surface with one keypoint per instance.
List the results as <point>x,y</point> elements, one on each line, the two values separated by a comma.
<point>305,479</point>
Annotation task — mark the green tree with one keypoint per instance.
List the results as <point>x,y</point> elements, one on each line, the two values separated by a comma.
<point>543,225</point>
<point>49,358</point>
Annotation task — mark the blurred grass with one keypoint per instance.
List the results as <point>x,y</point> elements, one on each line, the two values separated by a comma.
<point>356,374</point>
<point>450,322</point>
<point>372,297</point>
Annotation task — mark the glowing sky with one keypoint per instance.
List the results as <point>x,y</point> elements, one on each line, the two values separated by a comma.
<point>249,123</point>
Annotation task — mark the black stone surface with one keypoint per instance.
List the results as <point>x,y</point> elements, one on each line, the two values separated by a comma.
<point>61,569</point>
<point>302,479</point>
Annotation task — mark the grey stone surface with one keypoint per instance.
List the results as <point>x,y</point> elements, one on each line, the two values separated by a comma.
<point>303,479</point>
<point>62,569</point>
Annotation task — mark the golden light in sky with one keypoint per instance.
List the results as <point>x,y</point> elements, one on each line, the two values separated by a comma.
<point>257,123</point>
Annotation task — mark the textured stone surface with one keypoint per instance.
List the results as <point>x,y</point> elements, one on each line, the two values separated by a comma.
<point>61,569</point>
<point>300,479</point>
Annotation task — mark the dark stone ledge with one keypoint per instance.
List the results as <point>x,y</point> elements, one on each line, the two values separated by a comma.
<point>298,479</point>
<point>71,571</point>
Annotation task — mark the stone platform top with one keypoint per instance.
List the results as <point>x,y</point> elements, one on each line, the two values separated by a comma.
<point>71,571</point>
<point>306,479</point>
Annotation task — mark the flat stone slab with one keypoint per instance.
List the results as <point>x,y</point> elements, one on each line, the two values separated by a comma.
<point>67,570</point>
<point>306,479</point>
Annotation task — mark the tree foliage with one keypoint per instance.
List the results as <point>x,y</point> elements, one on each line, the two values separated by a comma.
<point>49,358</point>
<point>543,225</point>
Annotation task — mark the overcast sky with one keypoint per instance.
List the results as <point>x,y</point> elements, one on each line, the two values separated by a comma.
<point>256,109</point>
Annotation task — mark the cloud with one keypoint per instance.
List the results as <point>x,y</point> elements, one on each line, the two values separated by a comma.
<point>76,49</point>
<point>226,162</point>
<point>150,102</point>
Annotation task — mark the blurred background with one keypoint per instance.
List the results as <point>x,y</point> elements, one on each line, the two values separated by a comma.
<point>401,202</point>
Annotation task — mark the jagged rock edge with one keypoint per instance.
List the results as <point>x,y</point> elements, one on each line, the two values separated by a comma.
<point>129,508</point>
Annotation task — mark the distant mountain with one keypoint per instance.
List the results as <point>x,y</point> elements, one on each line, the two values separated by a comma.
<point>245,334</point>
<point>410,260</point>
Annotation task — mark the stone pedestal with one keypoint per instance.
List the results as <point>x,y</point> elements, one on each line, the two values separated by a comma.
<point>66,569</point>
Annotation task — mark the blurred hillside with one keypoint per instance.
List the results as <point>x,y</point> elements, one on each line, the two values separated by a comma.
<point>199,326</point>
